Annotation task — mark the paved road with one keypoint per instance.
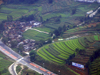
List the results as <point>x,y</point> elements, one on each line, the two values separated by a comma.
<point>18,58</point>
<point>12,69</point>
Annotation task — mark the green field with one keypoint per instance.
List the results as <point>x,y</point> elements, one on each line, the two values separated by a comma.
<point>4,64</point>
<point>32,34</point>
<point>60,51</point>
<point>96,37</point>
<point>42,8</point>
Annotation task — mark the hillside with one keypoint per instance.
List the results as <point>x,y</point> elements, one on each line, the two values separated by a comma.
<point>59,52</point>
<point>94,67</point>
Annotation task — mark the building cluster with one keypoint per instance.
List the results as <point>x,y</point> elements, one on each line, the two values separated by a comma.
<point>90,1</point>
<point>92,13</point>
<point>28,44</point>
<point>14,30</point>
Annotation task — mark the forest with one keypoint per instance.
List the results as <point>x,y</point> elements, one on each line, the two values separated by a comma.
<point>23,1</point>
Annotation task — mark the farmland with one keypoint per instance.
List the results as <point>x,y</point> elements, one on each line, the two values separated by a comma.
<point>4,64</point>
<point>94,67</point>
<point>60,51</point>
<point>42,9</point>
<point>32,34</point>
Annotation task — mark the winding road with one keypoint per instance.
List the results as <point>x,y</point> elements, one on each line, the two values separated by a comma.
<point>21,60</point>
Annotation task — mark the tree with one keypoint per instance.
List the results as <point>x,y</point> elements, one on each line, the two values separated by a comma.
<point>74,11</point>
<point>32,55</point>
<point>9,18</point>
<point>1,26</point>
<point>14,44</point>
<point>49,40</point>
<point>5,40</point>
<point>21,48</point>
<point>32,52</point>
<point>50,1</point>
<point>64,28</point>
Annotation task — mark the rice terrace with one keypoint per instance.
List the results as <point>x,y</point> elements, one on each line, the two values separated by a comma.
<point>51,37</point>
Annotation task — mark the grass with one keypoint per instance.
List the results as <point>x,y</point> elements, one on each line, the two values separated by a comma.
<point>96,37</point>
<point>32,34</point>
<point>18,68</point>
<point>4,64</point>
<point>60,51</point>
<point>30,72</point>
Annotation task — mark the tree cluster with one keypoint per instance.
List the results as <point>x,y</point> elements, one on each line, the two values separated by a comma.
<point>26,18</point>
<point>24,1</point>
<point>20,1</point>
<point>59,31</point>
<point>32,55</point>
<point>50,1</point>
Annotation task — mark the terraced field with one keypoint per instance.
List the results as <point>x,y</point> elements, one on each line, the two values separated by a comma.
<point>94,68</point>
<point>84,41</point>
<point>60,51</point>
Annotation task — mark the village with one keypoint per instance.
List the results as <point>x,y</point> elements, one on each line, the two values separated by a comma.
<point>14,30</point>
<point>90,1</point>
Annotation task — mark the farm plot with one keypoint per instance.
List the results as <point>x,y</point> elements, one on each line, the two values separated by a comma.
<point>96,37</point>
<point>60,51</point>
<point>4,64</point>
<point>94,67</point>
<point>32,34</point>
<point>83,40</point>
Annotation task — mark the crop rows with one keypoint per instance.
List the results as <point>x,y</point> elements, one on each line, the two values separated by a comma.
<point>94,67</point>
<point>60,51</point>
<point>90,39</point>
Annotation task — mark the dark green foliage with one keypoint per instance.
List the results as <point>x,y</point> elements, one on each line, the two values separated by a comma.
<point>2,26</point>
<point>4,71</point>
<point>60,30</point>
<point>21,48</point>
<point>5,39</point>
<point>95,55</point>
<point>74,11</point>
<point>9,18</point>
<point>14,44</point>
<point>32,55</point>
<point>50,1</point>
<point>20,1</point>
<point>25,18</point>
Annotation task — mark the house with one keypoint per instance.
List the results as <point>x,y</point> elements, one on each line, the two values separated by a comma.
<point>90,1</point>
<point>89,12</point>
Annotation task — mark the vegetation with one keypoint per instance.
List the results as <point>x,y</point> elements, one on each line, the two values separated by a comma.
<point>60,51</point>
<point>27,71</point>
<point>18,68</point>
<point>4,64</point>
<point>94,63</point>
<point>94,69</point>
<point>32,34</point>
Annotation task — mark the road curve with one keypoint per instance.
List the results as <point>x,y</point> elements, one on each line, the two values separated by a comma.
<point>19,59</point>
<point>12,69</point>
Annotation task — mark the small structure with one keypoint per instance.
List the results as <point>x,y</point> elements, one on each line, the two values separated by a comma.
<point>78,65</point>
<point>89,12</point>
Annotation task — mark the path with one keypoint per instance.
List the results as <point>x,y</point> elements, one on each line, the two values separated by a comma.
<point>40,31</point>
<point>12,69</point>
<point>21,60</point>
